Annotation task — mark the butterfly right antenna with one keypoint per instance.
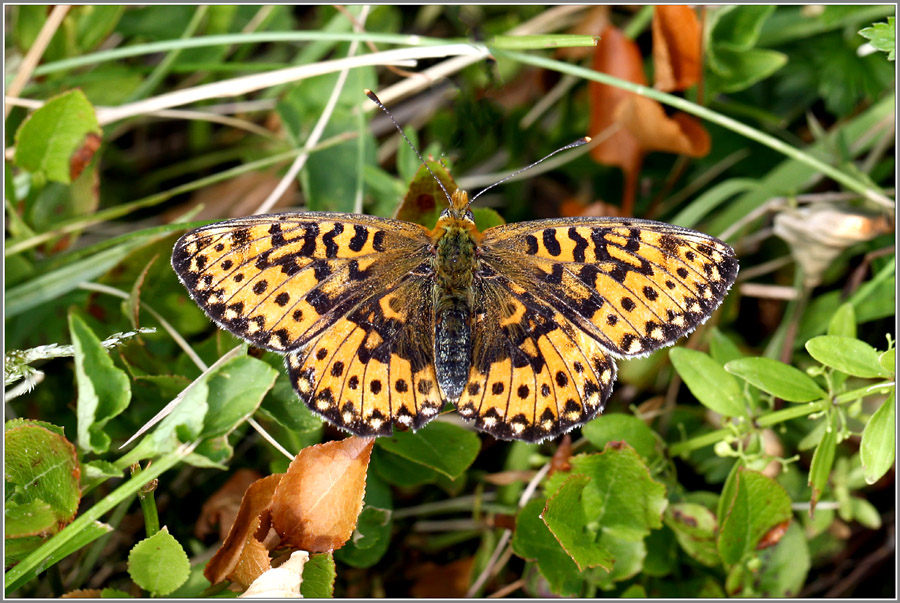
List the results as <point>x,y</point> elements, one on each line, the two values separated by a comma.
<point>572,145</point>
<point>375,100</point>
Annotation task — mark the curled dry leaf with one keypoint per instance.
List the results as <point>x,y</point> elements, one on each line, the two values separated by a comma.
<point>820,232</point>
<point>676,47</point>
<point>318,501</point>
<point>647,121</point>
<point>630,126</point>
<point>281,582</point>
<point>244,530</point>
<point>222,507</point>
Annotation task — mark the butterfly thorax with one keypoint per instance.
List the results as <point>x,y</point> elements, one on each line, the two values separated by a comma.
<point>455,243</point>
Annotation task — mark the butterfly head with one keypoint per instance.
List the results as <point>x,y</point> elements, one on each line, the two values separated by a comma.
<point>459,208</point>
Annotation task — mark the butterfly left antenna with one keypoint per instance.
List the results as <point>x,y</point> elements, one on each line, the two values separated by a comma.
<point>375,100</point>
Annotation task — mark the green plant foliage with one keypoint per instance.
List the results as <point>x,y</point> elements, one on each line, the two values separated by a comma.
<point>776,378</point>
<point>708,381</point>
<point>158,564</point>
<point>881,36</point>
<point>318,577</point>
<point>444,448</point>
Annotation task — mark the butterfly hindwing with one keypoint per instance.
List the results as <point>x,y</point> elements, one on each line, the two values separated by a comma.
<point>373,366</point>
<point>633,285</point>
<point>279,280</point>
<point>534,373</point>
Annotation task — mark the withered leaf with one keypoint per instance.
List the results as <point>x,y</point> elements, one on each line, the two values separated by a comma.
<point>676,47</point>
<point>246,525</point>
<point>316,505</point>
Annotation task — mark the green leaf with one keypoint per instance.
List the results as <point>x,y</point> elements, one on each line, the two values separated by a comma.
<point>739,26</point>
<point>533,540</point>
<point>94,473</point>
<point>370,539</point>
<point>53,284</point>
<point>722,349</point>
<point>318,577</point>
<point>235,392</point>
<point>635,591</point>
<point>440,446</point>
<point>104,390</point>
<point>822,461</point>
<point>623,428</point>
<point>881,36</point>
<point>847,355</point>
<point>756,504</point>
<point>621,498</point>
<point>784,567</point>
<point>738,69</point>
<point>50,137</point>
<point>708,381</point>
<point>565,516</point>
<point>843,323</point>
<point>878,446</point>
<point>888,360</point>
<point>695,529</point>
<point>777,378</point>
<point>158,564</point>
<point>95,23</point>
<point>41,471</point>
<point>398,471</point>
<point>629,558</point>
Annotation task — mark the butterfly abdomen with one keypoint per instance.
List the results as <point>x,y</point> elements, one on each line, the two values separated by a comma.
<point>454,271</point>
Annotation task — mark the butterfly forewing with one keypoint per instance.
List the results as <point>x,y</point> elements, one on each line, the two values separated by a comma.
<point>279,280</point>
<point>633,285</point>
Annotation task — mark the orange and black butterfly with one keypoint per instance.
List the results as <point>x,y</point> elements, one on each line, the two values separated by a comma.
<point>384,321</point>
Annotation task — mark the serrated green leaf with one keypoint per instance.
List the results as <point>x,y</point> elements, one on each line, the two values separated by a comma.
<point>440,446</point>
<point>878,447</point>
<point>847,355</point>
<point>158,564</point>
<point>565,515</point>
<point>881,36</point>
<point>755,504</point>
<point>624,428</point>
<point>629,558</point>
<point>318,577</point>
<point>622,498</point>
<point>777,378</point>
<point>40,466</point>
<point>533,540</point>
<point>48,139</point>
<point>708,381</point>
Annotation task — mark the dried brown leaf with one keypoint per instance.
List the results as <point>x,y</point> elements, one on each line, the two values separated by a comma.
<point>222,507</point>
<point>646,120</point>
<point>449,581</point>
<point>316,505</point>
<point>676,47</point>
<point>84,154</point>
<point>594,21</point>
<point>246,525</point>
<point>254,559</point>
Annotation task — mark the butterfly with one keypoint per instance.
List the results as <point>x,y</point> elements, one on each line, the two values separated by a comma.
<point>382,322</point>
